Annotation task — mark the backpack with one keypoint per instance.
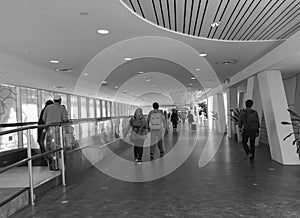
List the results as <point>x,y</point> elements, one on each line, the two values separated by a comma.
<point>155,121</point>
<point>251,120</point>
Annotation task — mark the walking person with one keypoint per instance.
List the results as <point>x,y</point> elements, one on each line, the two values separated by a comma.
<point>157,123</point>
<point>54,113</point>
<point>190,119</point>
<point>174,119</point>
<point>41,132</point>
<point>139,128</point>
<point>249,124</point>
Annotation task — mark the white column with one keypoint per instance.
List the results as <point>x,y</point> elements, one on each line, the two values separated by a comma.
<point>275,110</point>
<point>231,104</point>
<point>220,109</point>
<point>253,93</point>
<point>210,108</point>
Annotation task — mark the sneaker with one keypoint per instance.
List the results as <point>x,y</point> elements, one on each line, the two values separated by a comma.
<point>140,162</point>
<point>151,157</point>
<point>247,156</point>
<point>136,160</point>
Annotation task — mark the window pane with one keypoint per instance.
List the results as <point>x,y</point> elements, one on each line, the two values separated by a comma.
<point>92,108</point>
<point>103,108</point>
<point>29,114</point>
<point>74,107</point>
<point>8,114</point>
<point>108,106</point>
<point>98,108</point>
<point>46,96</point>
<point>83,107</point>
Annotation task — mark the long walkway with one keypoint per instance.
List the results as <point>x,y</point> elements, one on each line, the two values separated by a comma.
<point>227,186</point>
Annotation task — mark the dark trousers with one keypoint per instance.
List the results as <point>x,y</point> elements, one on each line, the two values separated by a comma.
<point>156,138</point>
<point>246,135</point>
<point>138,149</point>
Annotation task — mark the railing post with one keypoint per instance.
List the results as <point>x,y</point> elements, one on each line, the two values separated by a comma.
<point>63,173</point>
<point>30,167</point>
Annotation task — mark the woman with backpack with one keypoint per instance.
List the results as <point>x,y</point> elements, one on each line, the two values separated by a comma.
<point>139,130</point>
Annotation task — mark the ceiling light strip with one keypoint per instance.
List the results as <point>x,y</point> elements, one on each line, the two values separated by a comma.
<point>162,13</point>
<point>221,18</point>
<point>270,35</point>
<point>232,24</point>
<point>251,25</point>
<point>245,21</point>
<point>205,8</point>
<point>132,6</point>
<point>225,26</point>
<point>191,14</point>
<point>155,12</point>
<point>261,21</point>
<point>138,1</point>
<point>258,28</point>
<point>215,18</point>
<point>290,31</point>
<point>196,20</point>
<point>175,16</point>
<point>184,16</point>
<point>169,17</point>
<point>276,21</point>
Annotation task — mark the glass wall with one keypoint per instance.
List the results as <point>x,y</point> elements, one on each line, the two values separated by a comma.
<point>29,110</point>
<point>8,114</point>
<point>23,104</point>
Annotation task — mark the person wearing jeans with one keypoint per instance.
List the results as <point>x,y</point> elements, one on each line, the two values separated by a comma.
<point>249,123</point>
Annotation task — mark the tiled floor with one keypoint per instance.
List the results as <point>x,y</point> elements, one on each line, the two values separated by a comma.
<point>227,186</point>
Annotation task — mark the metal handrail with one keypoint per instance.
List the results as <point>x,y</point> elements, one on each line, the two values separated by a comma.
<point>72,121</point>
<point>30,158</point>
<point>27,159</point>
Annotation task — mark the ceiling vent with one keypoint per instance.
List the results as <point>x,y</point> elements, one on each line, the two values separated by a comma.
<point>229,61</point>
<point>64,70</point>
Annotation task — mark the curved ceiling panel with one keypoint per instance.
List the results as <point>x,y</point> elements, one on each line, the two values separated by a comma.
<point>149,54</point>
<point>223,19</point>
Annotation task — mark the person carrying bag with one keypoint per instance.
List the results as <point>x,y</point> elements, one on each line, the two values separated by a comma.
<point>138,134</point>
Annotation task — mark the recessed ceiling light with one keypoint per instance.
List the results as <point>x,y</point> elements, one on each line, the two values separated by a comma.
<point>85,74</point>
<point>116,87</point>
<point>141,72</point>
<point>103,31</point>
<point>54,61</point>
<point>127,59</point>
<point>190,84</point>
<point>202,55</point>
<point>193,78</point>
<point>103,82</point>
<point>198,69</point>
<point>147,80</point>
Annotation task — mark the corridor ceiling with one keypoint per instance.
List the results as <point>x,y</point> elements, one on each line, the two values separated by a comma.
<point>165,58</point>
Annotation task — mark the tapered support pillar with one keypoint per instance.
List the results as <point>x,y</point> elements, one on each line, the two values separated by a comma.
<point>231,104</point>
<point>275,110</point>
<point>220,112</point>
<point>254,94</point>
<point>210,108</point>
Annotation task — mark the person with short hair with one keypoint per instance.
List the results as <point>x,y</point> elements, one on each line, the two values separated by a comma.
<point>157,123</point>
<point>249,124</point>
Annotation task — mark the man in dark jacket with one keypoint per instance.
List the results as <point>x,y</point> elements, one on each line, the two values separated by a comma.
<point>249,123</point>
